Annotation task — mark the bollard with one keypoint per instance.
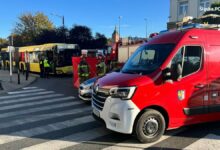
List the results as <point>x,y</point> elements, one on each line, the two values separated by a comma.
<point>1,88</point>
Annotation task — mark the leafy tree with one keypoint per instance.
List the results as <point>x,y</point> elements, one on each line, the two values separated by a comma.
<point>81,35</point>
<point>3,43</point>
<point>17,40</point>
<point>46,36</point>
<point>100,41</point>
<point>57,35</point>
<point>29,26</point>
<point>213,20</point>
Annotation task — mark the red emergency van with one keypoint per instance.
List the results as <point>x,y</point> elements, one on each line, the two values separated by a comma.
<point>171,81</point>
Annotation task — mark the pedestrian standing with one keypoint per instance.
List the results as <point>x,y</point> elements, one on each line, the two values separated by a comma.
<point>41,67</point>
<point>83,69</point>
<point>46,68</point>
<point>27,70</point>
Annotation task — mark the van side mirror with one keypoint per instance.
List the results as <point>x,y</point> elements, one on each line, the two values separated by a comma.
<point>167,75</point>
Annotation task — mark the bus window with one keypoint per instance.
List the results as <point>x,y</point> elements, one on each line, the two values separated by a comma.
<point>64,57</point>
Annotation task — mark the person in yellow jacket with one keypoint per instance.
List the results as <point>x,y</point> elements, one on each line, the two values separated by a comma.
<point>101,66</point>
<point>83,70</point>
<point>46,67</point>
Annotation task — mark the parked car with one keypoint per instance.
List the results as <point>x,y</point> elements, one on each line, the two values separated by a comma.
<point>169,82</point>
<point>85,89</point>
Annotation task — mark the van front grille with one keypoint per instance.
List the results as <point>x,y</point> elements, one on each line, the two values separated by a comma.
<point>99,98</point>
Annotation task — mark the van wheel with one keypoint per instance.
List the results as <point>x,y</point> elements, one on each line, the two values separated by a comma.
<point>150,126</point>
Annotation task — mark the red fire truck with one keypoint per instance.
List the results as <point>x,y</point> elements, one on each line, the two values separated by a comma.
<point>172,81</point>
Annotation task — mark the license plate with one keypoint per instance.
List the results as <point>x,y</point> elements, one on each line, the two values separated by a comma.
<point>96,112</point>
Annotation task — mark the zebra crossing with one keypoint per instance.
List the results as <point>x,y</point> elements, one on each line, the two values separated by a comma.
<point>35,118</point>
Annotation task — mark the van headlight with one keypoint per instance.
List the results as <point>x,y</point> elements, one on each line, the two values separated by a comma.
<point>124,93</point>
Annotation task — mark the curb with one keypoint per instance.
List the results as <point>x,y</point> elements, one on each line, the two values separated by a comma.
<point>6,91</point>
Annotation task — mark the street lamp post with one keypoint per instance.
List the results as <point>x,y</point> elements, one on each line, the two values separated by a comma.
<point>119,27</point>
<point>146,26</point>
<point>63,24</point>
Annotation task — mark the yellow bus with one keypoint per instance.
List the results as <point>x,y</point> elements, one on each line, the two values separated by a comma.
<point>59,56</point>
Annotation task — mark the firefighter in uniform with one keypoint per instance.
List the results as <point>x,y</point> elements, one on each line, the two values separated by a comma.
<point>46,67</point>
<point>101,66</point>
<point>83,70</point>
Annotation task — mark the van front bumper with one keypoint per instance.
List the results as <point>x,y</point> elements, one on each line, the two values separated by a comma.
<point>118,115</point>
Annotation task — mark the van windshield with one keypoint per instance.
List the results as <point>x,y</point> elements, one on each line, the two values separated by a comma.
<point>147,58</point>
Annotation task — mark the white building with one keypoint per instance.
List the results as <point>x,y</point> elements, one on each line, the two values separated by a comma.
<point>181,8</point>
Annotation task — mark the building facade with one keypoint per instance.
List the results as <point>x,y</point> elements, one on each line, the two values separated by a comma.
<point>182,8</point>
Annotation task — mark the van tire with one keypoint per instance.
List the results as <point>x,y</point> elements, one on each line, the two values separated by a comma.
<point>150,126</point>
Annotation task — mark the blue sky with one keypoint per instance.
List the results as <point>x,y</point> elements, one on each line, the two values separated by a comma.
<point>100,15</point>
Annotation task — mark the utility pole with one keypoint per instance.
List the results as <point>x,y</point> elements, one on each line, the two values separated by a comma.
<point>146,26</point>
<point>10,49</point>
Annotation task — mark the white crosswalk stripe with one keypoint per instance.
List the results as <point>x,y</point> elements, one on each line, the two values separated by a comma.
<point>24,95</point>
<point>210,142</point>
<point>28,88</point>
<point>44,129</point>
<point>70,140</point>
<point>29,99</point>
<point>26,91</point>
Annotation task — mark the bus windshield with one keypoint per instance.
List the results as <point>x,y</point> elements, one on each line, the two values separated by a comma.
<point>147,58</point>
<point>4,55</point>
<point>64,57</point>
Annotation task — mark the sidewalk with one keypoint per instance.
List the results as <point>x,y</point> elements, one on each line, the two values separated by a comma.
<point>11,86</point>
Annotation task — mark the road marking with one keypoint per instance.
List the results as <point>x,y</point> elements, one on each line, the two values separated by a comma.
<point>24,134</point>
<point>42,101</point>
<point>27,88</point>
<point>133,143</point>
<point>209,142</point>
<point>33,110</point>
<point>70,140</point>
<point>25,95</point>
<point>29,99</point>
<point>26,91</point>
<point>39,118</point>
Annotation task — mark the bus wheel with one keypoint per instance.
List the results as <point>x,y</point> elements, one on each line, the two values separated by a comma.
<point>150,126</point>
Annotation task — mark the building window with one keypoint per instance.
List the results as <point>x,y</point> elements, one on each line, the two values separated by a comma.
<point>204,4</point>
<point>183,8</point>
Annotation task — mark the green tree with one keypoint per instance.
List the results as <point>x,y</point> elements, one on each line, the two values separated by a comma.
<point>57,35</point>
<point>213,14</point>
<point>29,26</point>
<point>81,35</point>
<point>100,41</point>
<point>3,43</point>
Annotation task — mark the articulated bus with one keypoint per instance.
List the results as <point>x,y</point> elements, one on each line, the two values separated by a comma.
<point>59,55</point>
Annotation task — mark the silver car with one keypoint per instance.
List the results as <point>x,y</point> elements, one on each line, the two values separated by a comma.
<point>85,89</point>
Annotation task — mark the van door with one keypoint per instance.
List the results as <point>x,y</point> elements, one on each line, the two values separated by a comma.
<point>214,78</point>
<point>190,80</point>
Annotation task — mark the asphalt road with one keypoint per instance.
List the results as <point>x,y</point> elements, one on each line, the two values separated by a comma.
<point>48,115</point>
